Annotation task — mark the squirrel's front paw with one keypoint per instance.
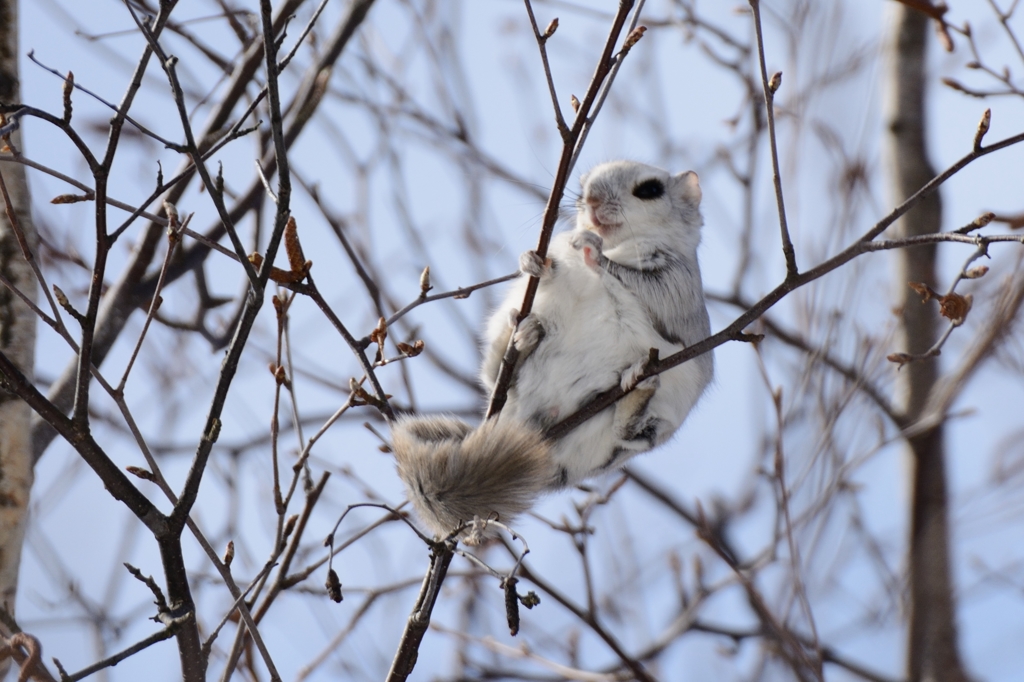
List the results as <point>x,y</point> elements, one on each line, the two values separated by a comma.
<point>530,263</point>
<point>590,244</point>
<point>528,334</point>
<point>631,377</point>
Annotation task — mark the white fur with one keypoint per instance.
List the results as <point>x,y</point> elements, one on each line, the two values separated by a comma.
<point>624,281</point>
<point>600,318</point>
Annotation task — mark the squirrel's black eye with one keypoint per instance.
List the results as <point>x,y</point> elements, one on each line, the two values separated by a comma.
<point>649,189</point>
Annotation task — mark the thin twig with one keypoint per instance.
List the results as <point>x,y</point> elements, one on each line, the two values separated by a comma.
<point>12,217</point>
<point>30,663</point>
<point>563,672</point>
<point>13,114</point>
<point>828,655</point>
<point>441,554</point>
<point>191,148</point>
<point>283,64</point>
<point>784,503</point>
<point>265,181</point>
<point>770,87</point>
<point>314,293</point>
<point>114,659</point>
<point>394,515</point>
<point>173,238</point>
<point>208,644</point>
<point>818,354</point>
<point>789,647</point>
<point>542,40</point>
<point>280,582</point>
<point>113,107</point>
<point>461,292</point>
<point>605,89</point>
<point>590,619</point>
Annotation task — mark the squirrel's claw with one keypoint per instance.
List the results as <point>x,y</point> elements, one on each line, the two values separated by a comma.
<point>530,263</point>
<point>528,334</point>
<point>590,243</point>
<point>631,377</point>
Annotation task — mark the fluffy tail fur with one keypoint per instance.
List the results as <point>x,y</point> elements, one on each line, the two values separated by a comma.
<point>454,473</point>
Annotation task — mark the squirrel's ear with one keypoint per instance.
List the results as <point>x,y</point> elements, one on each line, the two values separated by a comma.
<point>687,187</point>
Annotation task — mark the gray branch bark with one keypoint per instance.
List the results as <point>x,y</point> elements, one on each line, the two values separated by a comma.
<point>932,652</point>
<point>17,331</point>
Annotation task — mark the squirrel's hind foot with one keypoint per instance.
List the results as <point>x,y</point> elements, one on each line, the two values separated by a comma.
<point>529,333</point>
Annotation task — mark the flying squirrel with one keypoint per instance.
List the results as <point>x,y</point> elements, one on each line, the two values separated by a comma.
<point>624,281</point>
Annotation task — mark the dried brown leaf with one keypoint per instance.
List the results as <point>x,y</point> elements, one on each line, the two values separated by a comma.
<point>411,350</point>
<point>954,307</point>
<point>926,292</point>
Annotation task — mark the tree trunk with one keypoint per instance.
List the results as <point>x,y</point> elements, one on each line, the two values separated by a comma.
<point>932,653</point>
<point>17,331</point>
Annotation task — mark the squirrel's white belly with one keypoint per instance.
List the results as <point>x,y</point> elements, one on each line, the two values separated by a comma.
<point>591,338</point>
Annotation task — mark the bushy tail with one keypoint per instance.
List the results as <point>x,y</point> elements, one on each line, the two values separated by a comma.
<point>453,472</point>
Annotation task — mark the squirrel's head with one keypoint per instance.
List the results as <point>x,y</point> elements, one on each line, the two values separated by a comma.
<point>624,200</point>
